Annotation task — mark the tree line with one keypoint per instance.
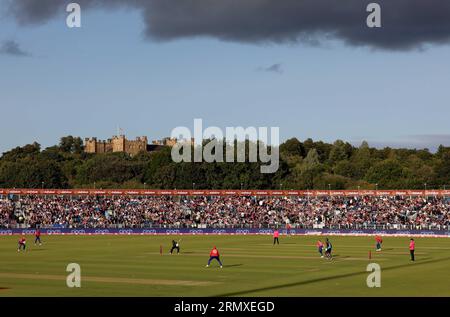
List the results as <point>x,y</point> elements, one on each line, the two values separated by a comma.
<point>304,164</point>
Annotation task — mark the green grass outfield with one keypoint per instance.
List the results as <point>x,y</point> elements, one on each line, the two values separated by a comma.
<point>133,266</point>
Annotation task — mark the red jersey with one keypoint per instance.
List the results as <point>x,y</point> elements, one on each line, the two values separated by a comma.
<point>214,252</point>
<point>412,245</point>
<point>319,244</point>
<point>37,233</point>
<point>276,234</point>
<point>378,238</point>
<point>22,240</point>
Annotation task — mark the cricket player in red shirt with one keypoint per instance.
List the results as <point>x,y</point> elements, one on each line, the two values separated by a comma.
<point>214,255</point>
<point>379,242</point>
<point>412,248</point>
<point>37,235</point>
<point>276,234</point>
<point>22,243</point>
<point>320,247</point>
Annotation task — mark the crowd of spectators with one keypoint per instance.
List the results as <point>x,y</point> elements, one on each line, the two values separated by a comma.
<point>225,212</point>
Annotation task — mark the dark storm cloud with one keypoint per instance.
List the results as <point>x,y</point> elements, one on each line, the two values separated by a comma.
<point>12,48</point>
<point>406,24</point>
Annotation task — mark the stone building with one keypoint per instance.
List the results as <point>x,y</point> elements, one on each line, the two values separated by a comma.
<point>170,142</point>
<point>117,144</point>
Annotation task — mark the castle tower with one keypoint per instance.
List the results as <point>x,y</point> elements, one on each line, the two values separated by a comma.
<point>90,145</point>
<point>118,143</point>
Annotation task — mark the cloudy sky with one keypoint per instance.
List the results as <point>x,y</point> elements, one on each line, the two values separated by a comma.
<point>311,67</point>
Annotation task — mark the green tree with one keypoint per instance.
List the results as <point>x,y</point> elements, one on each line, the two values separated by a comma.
<point>387,174</point>
<point>292,147</point>
<point>70,144</point>
<point>443,170</point>
<point>338,152</point>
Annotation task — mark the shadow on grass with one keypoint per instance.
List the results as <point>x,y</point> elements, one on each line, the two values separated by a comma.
<point>269,288</point>
<point>232,265</point>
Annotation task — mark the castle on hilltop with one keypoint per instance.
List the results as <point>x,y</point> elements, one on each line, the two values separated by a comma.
<point>119,143</point>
